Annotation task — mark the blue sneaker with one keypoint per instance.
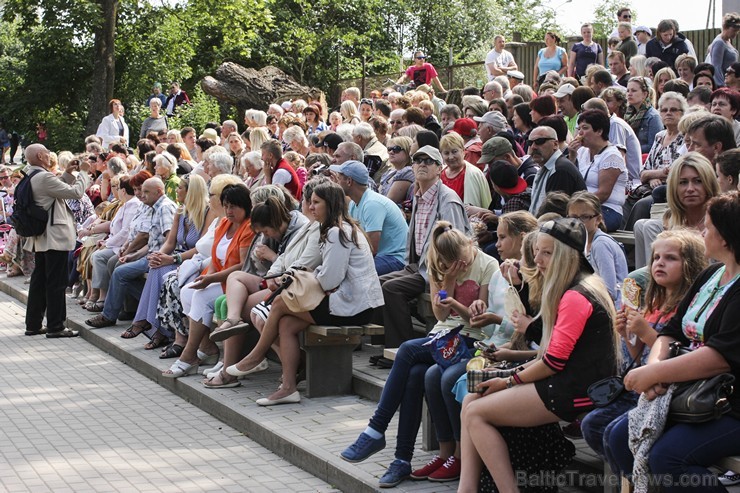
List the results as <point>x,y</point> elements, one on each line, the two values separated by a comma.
<point>396,473</point>
<point>364,447</point>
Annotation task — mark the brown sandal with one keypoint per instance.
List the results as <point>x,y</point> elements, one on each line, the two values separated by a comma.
<point>158,340</point>
<point>133,331</point>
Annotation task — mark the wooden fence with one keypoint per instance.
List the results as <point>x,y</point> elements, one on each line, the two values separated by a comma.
<point>463,75</point>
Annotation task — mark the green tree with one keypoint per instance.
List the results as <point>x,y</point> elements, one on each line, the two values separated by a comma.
<point>605,16</point>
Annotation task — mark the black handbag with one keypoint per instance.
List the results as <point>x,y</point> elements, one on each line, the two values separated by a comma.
<point>607,390</point>
<point>701,400</point>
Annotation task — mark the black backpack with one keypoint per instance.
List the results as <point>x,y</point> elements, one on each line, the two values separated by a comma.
<point>28,218</point>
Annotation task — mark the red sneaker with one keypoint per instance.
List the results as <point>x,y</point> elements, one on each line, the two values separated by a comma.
<point>431,466</point>
<point>450,471</point>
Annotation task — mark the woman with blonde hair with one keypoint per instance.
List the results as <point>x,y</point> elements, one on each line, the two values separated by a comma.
<point>472,188</point>
<point>641,115</point>
<point>349,112</point>
<point>174,136</point>
<point>615,100</point>
<point>638,66</point>
<point>396,182</point>
<point>661,77</point>
<point>462,271</point>
<point>576,350</point>
<point>257,137</point>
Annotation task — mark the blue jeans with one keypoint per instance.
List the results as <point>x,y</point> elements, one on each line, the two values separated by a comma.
<point>443,406</point>
<point>405,388</point>
<point>597,423</point>
<point>385,264</point>
<point>126,280</point>
<point>612,219</point>
<point>682,454</point>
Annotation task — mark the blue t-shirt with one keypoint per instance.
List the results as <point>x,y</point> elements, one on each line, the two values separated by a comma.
<point>585,56</point>
<point>376,212</point>
<point>546,64</point>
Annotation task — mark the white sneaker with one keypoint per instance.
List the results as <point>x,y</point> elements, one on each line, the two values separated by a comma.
<point>213,369</point>
<point>729,478</point>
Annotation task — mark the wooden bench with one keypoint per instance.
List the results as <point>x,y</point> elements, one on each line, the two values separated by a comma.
<point>624,237</point>
<point>329,357</point>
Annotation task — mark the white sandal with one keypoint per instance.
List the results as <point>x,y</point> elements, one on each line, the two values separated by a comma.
<point>207,359</point>
<point>181,369</point>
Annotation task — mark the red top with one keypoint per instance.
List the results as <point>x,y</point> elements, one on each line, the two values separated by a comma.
<point>457,183</point>
<point>573,312</point>
<point>294,185</point>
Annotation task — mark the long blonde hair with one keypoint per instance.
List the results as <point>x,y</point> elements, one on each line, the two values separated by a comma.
<point>558,280</point>
<point>706,172</point>
<point>196,201</point>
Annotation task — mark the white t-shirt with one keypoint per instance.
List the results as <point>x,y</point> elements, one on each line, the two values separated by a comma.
<point>281,177</point>
<point>222,247</point>
<point>610,157</point>
<point>503,59</point>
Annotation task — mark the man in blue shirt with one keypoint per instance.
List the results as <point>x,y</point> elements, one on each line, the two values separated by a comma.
<point>379,217</point>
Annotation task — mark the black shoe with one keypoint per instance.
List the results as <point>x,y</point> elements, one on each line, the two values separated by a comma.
<point>62,333</point>
<point>39,332</point>
<point>125,316</point>
<point>385,363</point>
<point>374,359</point>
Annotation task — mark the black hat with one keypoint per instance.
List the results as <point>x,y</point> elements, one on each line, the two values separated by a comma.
<point>573,233</point>
<point>331,141</point>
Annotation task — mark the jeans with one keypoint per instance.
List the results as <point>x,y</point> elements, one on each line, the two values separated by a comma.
<point>385,264</point>
<point>680,457</point>
<point>405,388</point>
<point>443,406</point>
<point>398,289</point>
<point>597,423</point>
<point>126,280</point>
<point>612,218</point>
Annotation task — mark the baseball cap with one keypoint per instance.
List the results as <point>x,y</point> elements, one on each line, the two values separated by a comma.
<point>331,141</point>
<point>644,29</point>
<point>493,148</point>
<point>506,178</point>
<point>573,233</point>
<point>493,118</point>
<point>464,126</point>
<point>429,151</point>
<point>564,90</point>
<point>352,169</point>
<point>515,74</point>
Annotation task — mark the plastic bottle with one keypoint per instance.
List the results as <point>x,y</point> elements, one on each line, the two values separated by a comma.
<point>442,294</point>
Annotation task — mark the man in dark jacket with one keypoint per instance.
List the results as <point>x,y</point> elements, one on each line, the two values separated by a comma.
<point>667,45</point>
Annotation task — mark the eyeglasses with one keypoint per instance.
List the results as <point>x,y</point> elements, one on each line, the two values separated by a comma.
<point>584,217</point>
<point>6,177</point>
<point>395,149</point>
<point>730,72</point>
<point>539,141</point>
<point>424,161</point>
<point>671,110</point>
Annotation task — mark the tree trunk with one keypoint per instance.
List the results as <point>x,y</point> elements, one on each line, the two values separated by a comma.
<point>250,88</point>
<point>104,66</point>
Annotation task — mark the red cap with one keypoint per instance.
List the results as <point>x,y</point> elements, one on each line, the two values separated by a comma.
<point>464,127</point>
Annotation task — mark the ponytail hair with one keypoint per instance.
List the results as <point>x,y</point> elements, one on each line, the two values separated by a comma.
<point>446,247</point>
<point>271,213</point>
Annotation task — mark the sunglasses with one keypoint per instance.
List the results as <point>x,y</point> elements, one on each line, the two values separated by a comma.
<point>366,101</point>
<point>427,161</point>
<point>420,57</point>
<point>395,149</point>
<point>539,141</point>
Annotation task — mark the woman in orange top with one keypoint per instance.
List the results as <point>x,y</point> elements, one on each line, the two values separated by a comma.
<point>231,243</point>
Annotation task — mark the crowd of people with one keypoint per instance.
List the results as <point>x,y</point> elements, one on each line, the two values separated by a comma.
<point>186,234</point>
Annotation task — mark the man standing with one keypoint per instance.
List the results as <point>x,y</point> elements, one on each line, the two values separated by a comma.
<point>51,248</point>
<point>557,173</point>
<point>433,201</point>
<point>624,14</point>
<point>379,217</point>
<point>127,276</point>
<point>177,98</point>
<point>157,93</point>
<point>499,61</point>
<point>277,170</point>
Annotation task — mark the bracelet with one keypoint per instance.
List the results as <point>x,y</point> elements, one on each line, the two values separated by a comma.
<point>517,379</point>
<point>178,259</point>
<point>510,382</point>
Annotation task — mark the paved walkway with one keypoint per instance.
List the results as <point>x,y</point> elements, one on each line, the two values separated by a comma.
<point>73,418</point>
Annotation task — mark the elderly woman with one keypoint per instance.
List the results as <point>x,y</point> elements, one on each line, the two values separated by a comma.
<point>683,451</point>
<point>601,164</point>
<point>255,118</point>
<point>692,181</point>
<point>641,115</point>
<point>296,140</point>
<point>165,167</point>
<point>156,121</point>
<point>217,162</point>
<point>252,164</point>
<point>189,224</point>
<point>551,57</point>
<point>231,241</point>
<point>396,182</point>
<point>725,102</point>
<point>113,127</point>
<point>464,178</point>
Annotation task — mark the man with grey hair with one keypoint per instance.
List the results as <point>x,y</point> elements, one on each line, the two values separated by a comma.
<point>557,173</point>
<point>490,124</point>
<point>51,248</point>
<point>396,121</point>
<point>492,90</point>
<point>127,278</point>
<point>227,127</point>
<point>352,94</point>
<point>505,87</point>
<point>376,154</point>
<point>347,151</point>
<point>277,170</point>
<point>499,61</point>
<point>218,163</point>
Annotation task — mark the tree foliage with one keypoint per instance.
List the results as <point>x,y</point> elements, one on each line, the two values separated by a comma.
<point>49,71</point>
<point>605,16</point>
